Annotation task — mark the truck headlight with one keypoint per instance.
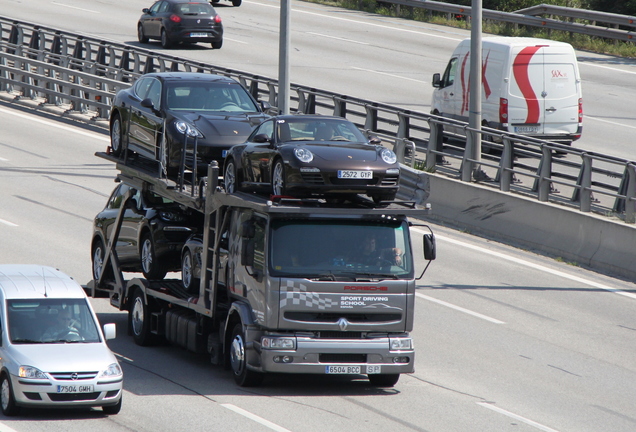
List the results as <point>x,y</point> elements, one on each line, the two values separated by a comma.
<point>31,372</point>
<point>284,343</point>
<point>398,344</point>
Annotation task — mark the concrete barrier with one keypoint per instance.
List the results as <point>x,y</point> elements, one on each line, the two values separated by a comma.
<point>592,241</point>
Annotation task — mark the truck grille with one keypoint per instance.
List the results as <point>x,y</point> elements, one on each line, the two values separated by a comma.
<point>342,358</point>
<point>351,317</point>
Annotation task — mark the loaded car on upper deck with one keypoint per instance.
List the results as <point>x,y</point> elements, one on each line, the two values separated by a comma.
<point>163,112</point>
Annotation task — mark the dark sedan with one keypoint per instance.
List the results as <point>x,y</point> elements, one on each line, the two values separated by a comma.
<point>153,232</point>
<point>176,21</point>
<point>312,155</point>
<point>213,111</point>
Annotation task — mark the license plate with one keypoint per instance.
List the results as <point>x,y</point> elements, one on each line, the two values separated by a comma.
<point>199,34</point>
<point>224,153</point>
<point>526,129</point>
<point>349,174</point>
<point>342,369</point>
<point>75,389</point>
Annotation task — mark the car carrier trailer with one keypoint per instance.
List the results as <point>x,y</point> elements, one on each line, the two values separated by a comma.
<point>280,287</point>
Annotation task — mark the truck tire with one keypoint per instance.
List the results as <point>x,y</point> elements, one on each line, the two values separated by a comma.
<point>139,320</point>
<point>383,380</point>
<point>7,399</point>
<point>238,361</point>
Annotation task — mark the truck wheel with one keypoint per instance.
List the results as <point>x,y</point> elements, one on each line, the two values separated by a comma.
<point>383,380</point>
<point>7,400</point>
<point>150,264</point>
<point>116,137</point>
<point>139,320</point>
<point>188,270</point>
<point>238,360</point>
<point>113,409</point>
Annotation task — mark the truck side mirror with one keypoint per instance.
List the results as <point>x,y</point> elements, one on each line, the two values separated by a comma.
<point>437,80</point>
<point>428,241</point>
<point>247,229</point>
<point>247,252</point>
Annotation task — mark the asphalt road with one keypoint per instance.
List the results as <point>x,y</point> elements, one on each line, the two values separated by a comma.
<point>506,340</point>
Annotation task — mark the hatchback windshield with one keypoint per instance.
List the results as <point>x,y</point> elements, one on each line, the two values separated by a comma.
<point>51,321</point>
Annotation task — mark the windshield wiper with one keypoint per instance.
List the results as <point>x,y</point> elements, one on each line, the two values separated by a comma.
<point>26,341</point>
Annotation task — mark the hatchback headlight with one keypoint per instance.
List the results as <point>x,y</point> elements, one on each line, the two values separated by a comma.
<point>31,372</point>
<point>187,129</point>
<point>388,156</point>
<point>303,154</point>
<point>113,370</point>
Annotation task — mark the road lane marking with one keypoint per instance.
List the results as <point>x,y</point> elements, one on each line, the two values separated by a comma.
<point>533,265</point>
<point>391,75</point>
<point>74,129</point>
<point>256,418</point>
<point>6,222</point>
<point>609,122</point>
<point>337,38</point>
<point>75,7</point>
<point>517,417</point>
<point>459,308</point>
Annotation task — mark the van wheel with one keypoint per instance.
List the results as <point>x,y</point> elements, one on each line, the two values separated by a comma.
<point>113,409</point>
<point>139,320</point>
<point>7,399</point>
<point>383,380</point>
<point>238,360</point>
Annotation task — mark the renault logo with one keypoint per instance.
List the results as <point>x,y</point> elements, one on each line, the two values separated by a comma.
<point>343,323</point>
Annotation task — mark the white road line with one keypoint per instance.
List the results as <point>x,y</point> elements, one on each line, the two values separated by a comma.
<point>609,122</point>
<point>74,7</point>
<point>391,75</point>
<point>337,38</point>
<point>534,266</point>
<point>606,67</point>
<point>3,159</point>
<point>6,222</point>
<point>256,418</point>
<point>516,417</point>
<point>5,428</point>
<point>459,308</point>
<point>73,129</point>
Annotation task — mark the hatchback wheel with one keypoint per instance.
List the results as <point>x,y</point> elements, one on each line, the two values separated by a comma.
<point>98,256</point>
<point>141,36</point>
<point>165,41</point>
<point>217,44</point>
<point>7,400</point>
<point>150,263</point>
<point>236,2</point>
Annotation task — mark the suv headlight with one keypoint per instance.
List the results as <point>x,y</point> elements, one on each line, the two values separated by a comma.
<point>169,216</point>
<point>187,129</point>
<point>388,156</point>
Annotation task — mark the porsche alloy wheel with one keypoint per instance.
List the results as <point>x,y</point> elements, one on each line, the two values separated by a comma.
<point>116,139</point>
<point>229,179</point>
<point>278,178</point>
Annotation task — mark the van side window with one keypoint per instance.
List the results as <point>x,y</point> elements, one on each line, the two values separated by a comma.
<point>449,74</point>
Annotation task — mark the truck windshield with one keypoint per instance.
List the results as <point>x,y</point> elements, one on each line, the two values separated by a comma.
<point>40,321</point>
<point>330,249</point>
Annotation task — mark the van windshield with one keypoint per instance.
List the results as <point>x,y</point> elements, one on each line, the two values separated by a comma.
<point>339,250</point>
<point>51,321</point>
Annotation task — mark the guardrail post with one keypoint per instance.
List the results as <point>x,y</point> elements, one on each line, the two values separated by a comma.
<point>545,172</point>
<point>16,37</point>
<point>340,106</point>
<point>584,192</point>
<point>34,43</point>
<point>504,174</point>
<point>404,124</point>
<point>630,196</point>
<point>435,144</point>
<point>56,49</point>
<point>371,120</point>
<point>78,53</point>
<point>467,160</point>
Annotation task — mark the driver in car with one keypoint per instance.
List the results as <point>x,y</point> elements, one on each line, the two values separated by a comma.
<point>63,329</point>
<point>368,254</point>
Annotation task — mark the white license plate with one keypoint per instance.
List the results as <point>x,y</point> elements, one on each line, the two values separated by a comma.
<point>526,129</point>
<point>199,34</point>
<point>342,369</point>
<point>350,174</point>
<point>75,388</point>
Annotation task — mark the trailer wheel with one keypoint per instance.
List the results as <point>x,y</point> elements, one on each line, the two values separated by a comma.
<point>7,399</point>
<point>383,380</point>
<point>139,319</point>
<point>238,360</point>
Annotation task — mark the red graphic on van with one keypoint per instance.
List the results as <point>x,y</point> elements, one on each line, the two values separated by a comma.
<point>520,71</point>
<point>466,82</point>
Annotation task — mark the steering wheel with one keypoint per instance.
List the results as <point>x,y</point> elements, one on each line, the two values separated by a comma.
<point>229,105</point>
<point>338,138</point>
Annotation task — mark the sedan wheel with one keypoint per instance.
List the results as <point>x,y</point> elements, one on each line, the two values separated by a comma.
<point>278,178</point>
<point>165,42</point>
<point>150,263</point>
<point>116,136</point>
<point>140,34</point>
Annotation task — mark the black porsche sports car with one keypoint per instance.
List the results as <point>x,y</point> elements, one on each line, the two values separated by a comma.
<point>163,113</point>
<point>312,155</point>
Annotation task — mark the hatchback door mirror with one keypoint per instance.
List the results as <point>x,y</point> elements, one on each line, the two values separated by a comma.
<point>110,331</point>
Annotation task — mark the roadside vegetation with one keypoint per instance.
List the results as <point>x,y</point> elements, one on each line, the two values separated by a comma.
<point>578,41</point>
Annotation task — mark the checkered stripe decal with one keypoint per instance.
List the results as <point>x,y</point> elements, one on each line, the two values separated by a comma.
<point>298,295</point>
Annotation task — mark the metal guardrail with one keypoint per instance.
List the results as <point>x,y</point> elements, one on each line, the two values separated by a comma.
<point>82,74</point>
<point>528,17</point>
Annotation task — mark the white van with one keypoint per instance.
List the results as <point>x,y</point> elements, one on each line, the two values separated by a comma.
<point>530,87</point>
<point>52,352</point>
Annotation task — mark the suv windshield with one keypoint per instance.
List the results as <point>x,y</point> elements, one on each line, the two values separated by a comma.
<point>51,321</point>
<point>325,249</point>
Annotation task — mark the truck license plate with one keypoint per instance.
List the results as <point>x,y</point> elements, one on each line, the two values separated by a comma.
<point>75,389</point>
<point>342,369</point>
<point>526,129</point>
<point>350,174</point>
